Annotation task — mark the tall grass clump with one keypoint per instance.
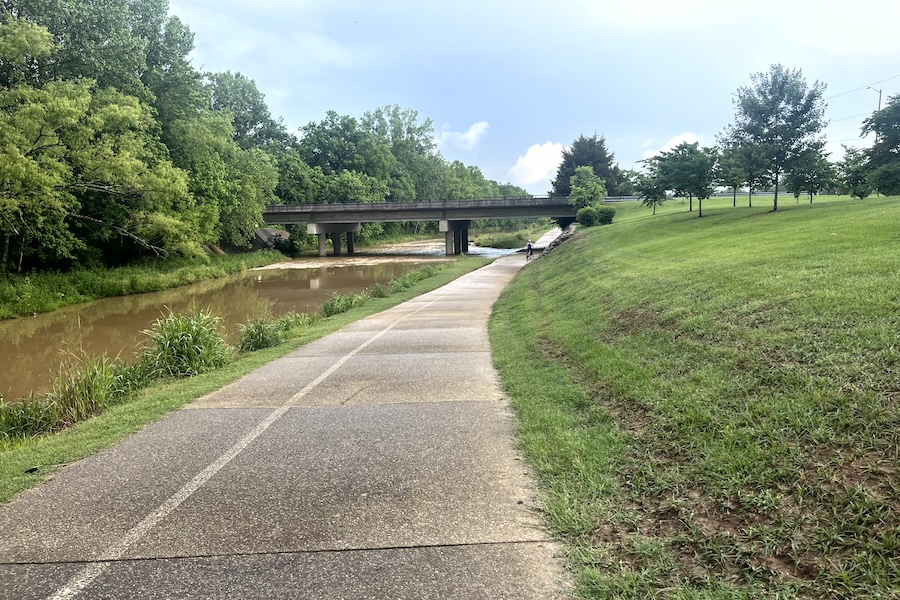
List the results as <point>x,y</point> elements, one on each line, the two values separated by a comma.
<point>407,280</point>
<point>26,418</point>
<point>79,393</point>
<point>292,321</point>
<point>339,303</point>
<point>185,346</point>
<point>260,333</point>
<point>380,290</point>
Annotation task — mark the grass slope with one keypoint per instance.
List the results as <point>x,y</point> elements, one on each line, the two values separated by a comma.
<point>712,405</point>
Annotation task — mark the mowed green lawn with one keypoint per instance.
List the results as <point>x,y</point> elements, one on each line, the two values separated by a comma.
<point>712,406</point>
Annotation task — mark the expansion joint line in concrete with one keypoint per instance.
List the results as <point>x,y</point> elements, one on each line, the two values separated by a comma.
<point>115,552</point>
<point>368,549</point>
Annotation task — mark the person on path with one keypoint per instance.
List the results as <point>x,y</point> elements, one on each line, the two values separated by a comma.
<point>530,247</point>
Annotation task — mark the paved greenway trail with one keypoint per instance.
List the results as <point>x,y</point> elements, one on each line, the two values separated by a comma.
<point>377,462</point>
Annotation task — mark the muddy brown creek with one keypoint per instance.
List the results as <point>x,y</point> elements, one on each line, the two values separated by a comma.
<point>33,348</point>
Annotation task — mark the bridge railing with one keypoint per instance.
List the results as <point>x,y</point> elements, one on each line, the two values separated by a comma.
<point>424,204</point>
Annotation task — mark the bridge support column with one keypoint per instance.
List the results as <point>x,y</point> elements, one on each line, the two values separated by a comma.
<point>323,230</point>
<point>350,241</point>
<point>456,236</point>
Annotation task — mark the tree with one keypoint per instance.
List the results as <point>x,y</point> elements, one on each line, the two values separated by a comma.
<point>238,95</point>
<point>410,142</point>
<point>592,152</point>
<point>340,143</point>
<point>729,172</point>
<point>853,173</point>
<point>649,185</point>
<point>93,40</point>
<point>177,88</point>
<point>884,155</point>
<point>687,169</point>
<point>810,173</point>
<point>587,188</point>
<point>230,185</point>
<point>780,117</point>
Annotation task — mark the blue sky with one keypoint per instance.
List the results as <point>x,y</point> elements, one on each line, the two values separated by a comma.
<point>508,84</point>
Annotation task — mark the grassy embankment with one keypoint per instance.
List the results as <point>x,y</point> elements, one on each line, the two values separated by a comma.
<point>25,463</point>
<point>42,292</point>
<point>512,239</point>
<point>712,406</point>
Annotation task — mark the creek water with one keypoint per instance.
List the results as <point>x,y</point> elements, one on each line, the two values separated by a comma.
<point>34,349</point>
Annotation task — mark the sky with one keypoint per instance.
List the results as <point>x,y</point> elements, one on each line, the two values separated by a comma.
<point>510,84</point>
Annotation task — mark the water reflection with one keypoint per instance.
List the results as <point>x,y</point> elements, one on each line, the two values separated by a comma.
<point>32,349</point>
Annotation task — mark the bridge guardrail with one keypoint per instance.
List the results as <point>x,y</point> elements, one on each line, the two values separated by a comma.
<point>425,204</point>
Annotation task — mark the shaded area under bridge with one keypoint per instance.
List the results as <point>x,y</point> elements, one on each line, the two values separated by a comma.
<point>455,217</point>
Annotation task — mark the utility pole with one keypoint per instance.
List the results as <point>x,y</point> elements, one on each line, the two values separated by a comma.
<point>879,95</point>
<point>879,107</point>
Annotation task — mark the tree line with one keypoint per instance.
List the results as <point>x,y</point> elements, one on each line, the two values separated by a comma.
<point>776,142</point>
<point>115,147</point>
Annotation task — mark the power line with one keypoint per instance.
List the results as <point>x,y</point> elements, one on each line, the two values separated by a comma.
<point>862,88</point>
<point>856,139</point>
<point>853,117</point>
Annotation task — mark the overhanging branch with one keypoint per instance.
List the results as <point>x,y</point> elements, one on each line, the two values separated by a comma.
<point>124,232</point>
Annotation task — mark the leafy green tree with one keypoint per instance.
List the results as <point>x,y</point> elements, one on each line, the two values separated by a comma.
<point>729,172</point>
<point>780,117</point>
<point>884,155</point>
<point>94,40</point>
<point>466,182</point>
<point>853,173</point>
<point>22,43</point>
<point>340,143</point>
<point>626,183</point>
<point>177,88</point>
<point>351,186</point>
<point>230,185</point>
<point>587,189</point>
<point>252,179</point>
<point>253,124</point>
<point>592,152</point>
<point>649,185</point>
<point>688,170</point>
<point>810,173</point>
<point>298,183</point>
<point>400,129</point>
<point>83,162</point>
<point>411,143</point>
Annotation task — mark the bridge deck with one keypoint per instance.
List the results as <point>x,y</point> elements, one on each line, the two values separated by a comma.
<point>489,208</point>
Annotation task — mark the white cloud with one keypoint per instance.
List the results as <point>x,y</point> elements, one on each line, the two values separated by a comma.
<point>463,140</point>
<point>688,137</point>
<point>538,165</point>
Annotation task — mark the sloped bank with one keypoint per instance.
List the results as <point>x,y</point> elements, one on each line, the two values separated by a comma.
<point>710,405</point>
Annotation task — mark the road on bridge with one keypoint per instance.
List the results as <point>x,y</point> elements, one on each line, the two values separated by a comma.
<point>377,462</point>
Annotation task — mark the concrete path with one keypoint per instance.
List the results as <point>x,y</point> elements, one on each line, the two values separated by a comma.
<point>377,462</point>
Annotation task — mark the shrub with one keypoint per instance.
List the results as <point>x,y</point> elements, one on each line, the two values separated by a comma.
<point>185,345</point>
<point>605,214</point>
<point>587,216</point>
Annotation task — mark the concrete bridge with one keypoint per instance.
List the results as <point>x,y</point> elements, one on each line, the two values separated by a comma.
<point>454,216</point>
